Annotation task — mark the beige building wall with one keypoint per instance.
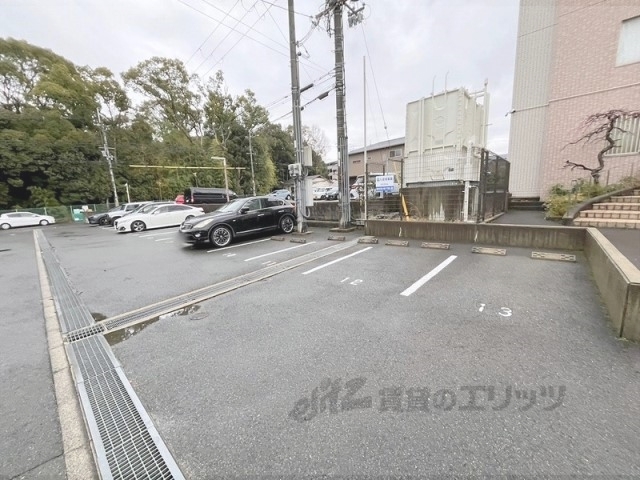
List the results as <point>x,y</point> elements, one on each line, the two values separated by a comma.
<point>587,80</point>
<point>531,85</point>
<point>383,157</point>
<point>565,71</point>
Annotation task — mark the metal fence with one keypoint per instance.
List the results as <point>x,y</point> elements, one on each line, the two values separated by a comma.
<point>66,213</point>
<point>494,185</point>
<point>452,187</point>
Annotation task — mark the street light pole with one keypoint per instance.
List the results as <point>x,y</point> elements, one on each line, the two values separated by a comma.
<point>226,179</point>
<point>253,177</point>
<point>126,186</point>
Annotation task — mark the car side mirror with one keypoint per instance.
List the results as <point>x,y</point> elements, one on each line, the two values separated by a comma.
<point>244,209</point>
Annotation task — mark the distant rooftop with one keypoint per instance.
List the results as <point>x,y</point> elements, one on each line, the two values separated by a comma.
<point>394,142</point>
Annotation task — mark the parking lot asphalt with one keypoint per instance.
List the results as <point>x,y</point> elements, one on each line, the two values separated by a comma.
<point>30,437</point>
<point>375,360</point>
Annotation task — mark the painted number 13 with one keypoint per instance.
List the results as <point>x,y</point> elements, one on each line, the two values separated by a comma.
<point>504,311</point>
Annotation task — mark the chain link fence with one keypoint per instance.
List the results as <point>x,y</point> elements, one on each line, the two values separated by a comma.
<point>66,213</point>
<point>446,187</point>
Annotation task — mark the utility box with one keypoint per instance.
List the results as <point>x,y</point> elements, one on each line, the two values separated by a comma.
<point>307,156</point>
<point>308,192</point>
<point>294,170</point>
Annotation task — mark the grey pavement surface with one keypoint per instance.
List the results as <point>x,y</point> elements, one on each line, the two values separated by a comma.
<point>30,437</point>
<point>229,383</point>
<point>222,381</point>
<point>625,240</point>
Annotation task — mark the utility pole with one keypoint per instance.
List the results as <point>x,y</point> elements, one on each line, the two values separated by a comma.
<point>355,16</point>
<point>341,118</point>
<point>297,123</point>
<point>107,155</point>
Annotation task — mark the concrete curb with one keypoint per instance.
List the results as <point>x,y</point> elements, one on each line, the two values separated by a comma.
<point>618,281</point>
<point>504,235</point>
<point>78,456</point>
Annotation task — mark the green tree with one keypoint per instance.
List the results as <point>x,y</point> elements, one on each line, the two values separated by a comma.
<point>172,98</point>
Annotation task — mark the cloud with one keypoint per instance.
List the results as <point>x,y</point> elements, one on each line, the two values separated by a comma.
<point>410,49</point>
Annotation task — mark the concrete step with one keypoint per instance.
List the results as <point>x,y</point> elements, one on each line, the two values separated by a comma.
<point>626,199</point>
<point>606,223</point>
<point>526,203</point>
<point>622,215</point>
<point>617,206</point>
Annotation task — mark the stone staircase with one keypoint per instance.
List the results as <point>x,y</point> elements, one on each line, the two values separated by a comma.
<point>616,212</point>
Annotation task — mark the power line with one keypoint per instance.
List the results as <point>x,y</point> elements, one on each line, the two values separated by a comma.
<point>234,45</point>
<point>316,66</point>
<point>285,8</point>
<point>215,19</point>
<point>384,122</point>
<point>212,32</point>
<point>233,29</point>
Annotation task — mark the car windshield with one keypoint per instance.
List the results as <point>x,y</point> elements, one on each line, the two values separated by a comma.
<point>146,208</point>
<point>233,206</point>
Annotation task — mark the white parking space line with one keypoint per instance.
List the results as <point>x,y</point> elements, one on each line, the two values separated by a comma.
<point>158,234</point>
<point>278,251</point>
<point>428,276</point>
<point>237,246</point>
<point>336,261</point>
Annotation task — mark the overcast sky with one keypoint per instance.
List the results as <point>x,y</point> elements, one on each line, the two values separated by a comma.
<point>412,47</point>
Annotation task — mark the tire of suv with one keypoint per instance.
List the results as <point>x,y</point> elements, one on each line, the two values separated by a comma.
<point>220,236</point>
<point>286,224</point>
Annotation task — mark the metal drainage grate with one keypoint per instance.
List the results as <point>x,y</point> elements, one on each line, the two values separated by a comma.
<point>564,257</point>
<point>489,251</point>
<point>200,295</point>
<point>84,332</point>
<point>126,442</point>
<point>72,312</point>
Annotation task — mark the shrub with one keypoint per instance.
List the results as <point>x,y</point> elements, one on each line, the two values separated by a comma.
<point>561,199</point>
<point>557,205</point>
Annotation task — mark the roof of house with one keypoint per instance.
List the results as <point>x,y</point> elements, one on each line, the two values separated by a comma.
<point>393,142</point>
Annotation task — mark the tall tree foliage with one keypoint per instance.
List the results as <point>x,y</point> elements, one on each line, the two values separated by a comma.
<point>51,141</point>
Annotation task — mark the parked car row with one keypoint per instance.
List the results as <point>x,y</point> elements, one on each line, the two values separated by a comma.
<point>107,218</point>
<point>156,215</point>
<point>24,219</point>
<point>238,218</point>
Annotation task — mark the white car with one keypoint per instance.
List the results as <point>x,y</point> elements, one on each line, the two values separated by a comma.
<point>24,219</point>
<point>318,192</point>
<point>161,216</point>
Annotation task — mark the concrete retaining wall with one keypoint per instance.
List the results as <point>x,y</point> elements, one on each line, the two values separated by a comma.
<point>618,281</point>
<point>561,238</point>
